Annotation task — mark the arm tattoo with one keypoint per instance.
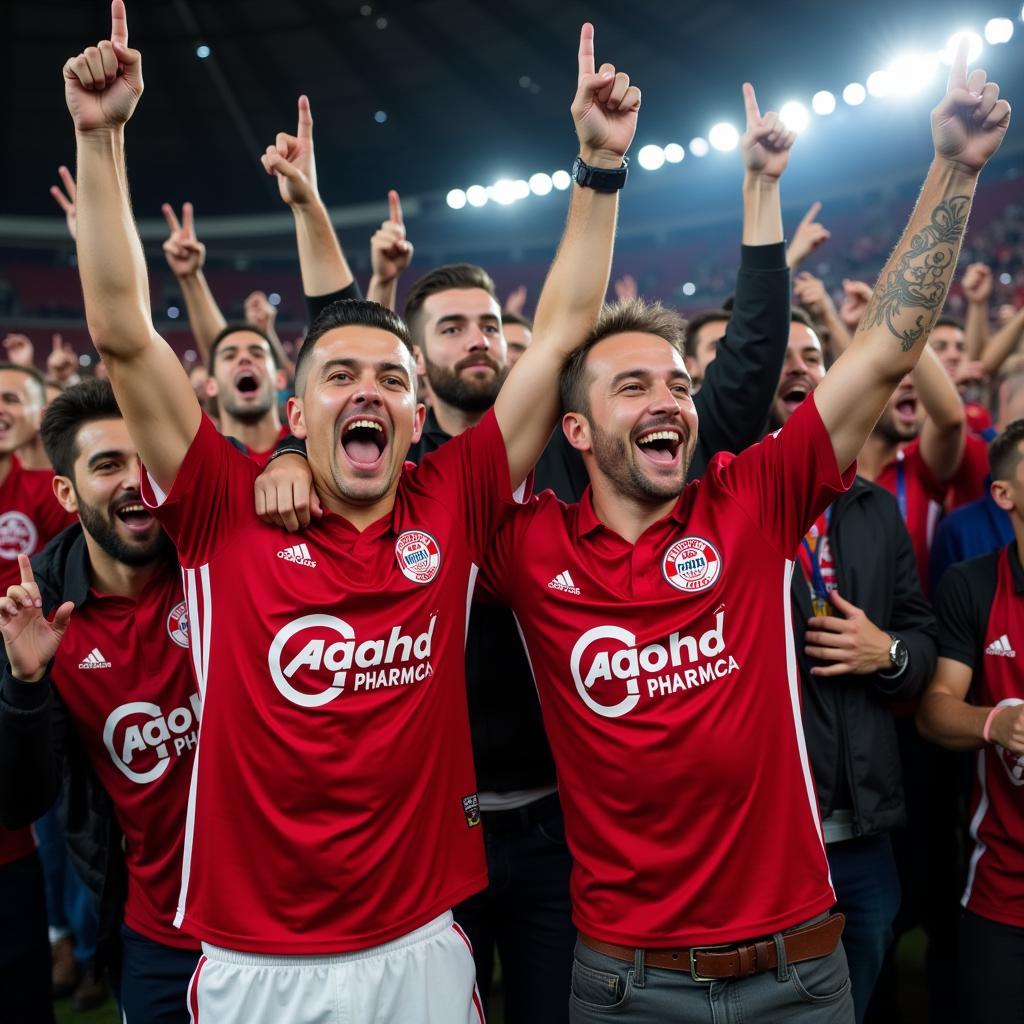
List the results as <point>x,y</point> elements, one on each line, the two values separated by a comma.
<point>919,278</point>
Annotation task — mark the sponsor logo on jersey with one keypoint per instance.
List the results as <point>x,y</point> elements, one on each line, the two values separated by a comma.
<point>418,555</point>
<point>94,660</point>
<point>299,554</point>
<point>18,535</point>
<point>471,809</point>
<point>142,740</point>
<point>692,564</point>
<point>564,582</point>
<point>314,659</point>
<point>1001,648</point>
<point>612,673</point>
<point>1011,762</point>
<point>177,624</point>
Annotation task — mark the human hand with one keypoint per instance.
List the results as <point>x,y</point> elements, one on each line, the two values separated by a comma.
<point>19,350</point>
<point>285,495</point>
<point>809,235</point>
<point>811,293</point>
<point>977,283</point>
<point>62,363</point>
<point>66,200</point>
<point>259,311</point>
<point>852,645</point>
<point>390,251</point>
<point>291,160</point>
<point>856,296</point>
<point>766,143</point>
<point>1007,728</point>
<point>516,301</point>
<point>625,288</point>
<point>29,639</point>
<point>184,253</point>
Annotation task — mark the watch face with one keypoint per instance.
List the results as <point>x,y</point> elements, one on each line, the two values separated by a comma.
<point>901,654</point>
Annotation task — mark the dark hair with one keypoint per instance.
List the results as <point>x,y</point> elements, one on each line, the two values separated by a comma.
<point>694,324</point>
<point>799,315</point>
<point>515,318</point>
<point>1004,452</point>
<point>68,413</point>
<point>238,328</point>
<point>948,321</point>
<point>349,313</point>
<point>33,374</point>
<point>443,279</point>
<point>630,315</point>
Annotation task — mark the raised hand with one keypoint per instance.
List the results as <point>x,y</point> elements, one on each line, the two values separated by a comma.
<point>290,159</point>
<point>970,121</point>
<point>184,253</point>
<point>259,311</point>
<point>766,143</point>
<point>390,250</point>
<point>977,283</point>
<point>30,640</point>
<point>66,200</point>
<point>19,350</point>
<point>811,293</point>
<point>103,84</point>
<point>856,296</point>
<point>62,363</point>
<point>808,236</point>
<point>516,300</point>
<point>604,109</point>
<point>625,288</point>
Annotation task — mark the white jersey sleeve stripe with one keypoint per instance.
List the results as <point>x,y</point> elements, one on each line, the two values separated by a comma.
<point>474,571</point>
<point>979,817</point>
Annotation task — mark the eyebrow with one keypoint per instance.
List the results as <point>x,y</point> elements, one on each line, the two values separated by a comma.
<point>462,318</point>
<point>100,456</point>
<point>676,374</point>
<point>357,364</point>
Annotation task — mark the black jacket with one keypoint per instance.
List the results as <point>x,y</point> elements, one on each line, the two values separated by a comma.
<point>848,722</point>
<point>39,748</point>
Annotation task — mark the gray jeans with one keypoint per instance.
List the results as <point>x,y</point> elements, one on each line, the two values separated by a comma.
<point>812,992</point>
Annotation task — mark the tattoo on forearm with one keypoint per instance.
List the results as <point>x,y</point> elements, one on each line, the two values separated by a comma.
<point>918,279</point>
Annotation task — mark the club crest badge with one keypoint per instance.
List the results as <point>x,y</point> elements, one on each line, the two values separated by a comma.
<point>692,565</point>
<point>18,535</point>
<point>177,624</point>
<point>418,555</point>
<point>471,809</point>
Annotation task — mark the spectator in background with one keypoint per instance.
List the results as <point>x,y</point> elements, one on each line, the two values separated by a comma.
<point>518,331</point>
<point>703,334</point>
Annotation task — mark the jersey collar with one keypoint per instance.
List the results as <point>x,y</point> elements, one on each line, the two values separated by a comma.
<point>587,521</point>
<point>1015,567</point>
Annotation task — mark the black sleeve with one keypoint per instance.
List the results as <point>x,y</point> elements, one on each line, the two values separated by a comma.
<point>31,719</point>
<point>912,619</point>
<point>291,443</point>
<point>962,604</point>
<point>741,381</point>
<point>316,304</point>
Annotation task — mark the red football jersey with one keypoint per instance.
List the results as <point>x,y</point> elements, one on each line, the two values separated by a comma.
<point>670,694</point>
<point>29,516</point>
<point>333,803</point>
<point>124,671</point>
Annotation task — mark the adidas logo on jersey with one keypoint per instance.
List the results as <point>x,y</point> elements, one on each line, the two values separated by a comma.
<point>299,554</point>
<point>94,660</point>
<point>1001,648</point>
<point>563,581</point>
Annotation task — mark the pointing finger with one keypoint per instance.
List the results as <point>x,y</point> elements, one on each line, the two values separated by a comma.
<point>586,55</point>
<point>25,567</point>
<point>118,23</point>
<point>395,207</point>
<point>811,214</point>
<point>750,103</point>
<point>305,119</point>
<point>958,70</point>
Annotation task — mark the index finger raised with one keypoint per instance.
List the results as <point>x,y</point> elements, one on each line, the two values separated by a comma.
<point>171,217</point>
<point>813,212</point>
<point>305,129</point>
<point>118,23</point>
<point>750,103</point>
<point>25,566</point>
<point>586,55</point>
<point>395,207</point>
<point>958,69</point>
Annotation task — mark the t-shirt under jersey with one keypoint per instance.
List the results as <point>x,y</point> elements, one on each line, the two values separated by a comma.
<point>670,694</point>
<point>333,803</point>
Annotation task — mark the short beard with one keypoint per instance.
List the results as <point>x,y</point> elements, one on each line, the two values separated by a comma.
<point>612,456</point>
<point>102,530</point>
<point>247,414</point>
<point>450,387</point>
<point>887,428</point>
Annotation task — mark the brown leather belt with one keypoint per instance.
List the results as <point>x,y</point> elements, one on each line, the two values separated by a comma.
<point>741,960</point>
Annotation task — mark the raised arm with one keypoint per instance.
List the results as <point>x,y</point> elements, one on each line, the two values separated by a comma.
<point>809,235</point>
<point>102,87</point>
<point>604,111</point>
<point>1003,343</point>
<point>977,286</point>
<point>967,127</point>
<point>291,160</point>
<point>945,427</point>
<point>390,254</point>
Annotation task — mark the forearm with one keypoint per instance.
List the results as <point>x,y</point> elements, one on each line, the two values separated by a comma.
<point>942,435</point>
<point>384,292</point>
<point>281,357</point>
<point>323,265</point>
<point>204,315</point>
<point>976,329</point>
<point>839,336</point>
<point>762,210</point>
<point>111,262</point>
<point>1002,344</point>
<point>951,722</point>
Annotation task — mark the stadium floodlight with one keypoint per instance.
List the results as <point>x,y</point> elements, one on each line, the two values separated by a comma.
<point>699,146</point>
<point>998,30</point>
<point>911,72</point>
<point>674,153</point>
<point>520,188</point>
<point>823,103</point>
<point>880,84</point>
<point>540,183</point>
<point>561,180</point>
<point>1005,278</point>
<point>503,191</point>
<point>724,137</point>
<point>456,199</point>
<point>650,158</point>
<point>476,195</point>
<point>689,288</point>
<point>202,51</point>
<point>173,312</point>
<point>974,46</point>
<point>854,94</point>
<point>795,116</point>
<point>274,299</point>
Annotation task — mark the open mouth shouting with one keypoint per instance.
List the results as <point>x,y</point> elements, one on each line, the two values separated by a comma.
<point>661,444</point>
<point>906,411</point>
<point>365,440</point>
<point>134,515</point>
<point>247,382</point>
<point>793,396</point>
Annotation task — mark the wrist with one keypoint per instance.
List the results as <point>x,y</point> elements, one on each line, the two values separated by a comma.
<point>760,180</point>
<point>382,281</point>
<point>990,718</point>
<point>603,158</point>
<point>960,174</point>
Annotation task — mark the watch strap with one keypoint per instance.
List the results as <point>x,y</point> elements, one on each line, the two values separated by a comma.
<point>600,179</point>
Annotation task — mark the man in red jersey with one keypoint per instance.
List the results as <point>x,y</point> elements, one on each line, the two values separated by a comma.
<point>975,702</point>
<point>667,675</point>
<point>333,819</point>
<point>29,513</point>
<point>107,700</point>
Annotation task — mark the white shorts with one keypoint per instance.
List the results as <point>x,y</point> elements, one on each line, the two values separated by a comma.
<point>425,977</point>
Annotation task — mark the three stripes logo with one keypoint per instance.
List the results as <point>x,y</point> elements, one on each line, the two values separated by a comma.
<point>299,554</point>
<point>94,660</point>
<point>1001,648</point>
<point>563,582</point>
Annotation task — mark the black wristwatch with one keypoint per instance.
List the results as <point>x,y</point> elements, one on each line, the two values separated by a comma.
<point>600,179</point>
<point>898,657</point>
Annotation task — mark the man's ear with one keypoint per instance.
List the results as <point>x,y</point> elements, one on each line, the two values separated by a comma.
<point>1002,495</point>
<point>64,492</point>
<point>576,428</point>
<point>296,417</point>
<point>421,366</point>
<point>212,391</point>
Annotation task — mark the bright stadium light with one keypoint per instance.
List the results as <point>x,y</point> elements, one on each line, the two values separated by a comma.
<point>650,158</point>
<point>561,180</point>
<point>476,195</point>
<point>794,116</point>
<point>974,46</point>
<point>202,51</point>
<point>520,188</point>
<point>823,102</point>
<point>456,199</point>
<point>1005,278</point>
<point>699,146</point>
<point>689,288</point>
<point>173,312</point>
<point>880,84</point>
<point>674,153</point>
<point>274,299</point>
<point>540,183</point>
<point>854,94</point>
<point>998,30</point>
<point>503,192</point>
<point>724,137</point>
<point>912,72</point>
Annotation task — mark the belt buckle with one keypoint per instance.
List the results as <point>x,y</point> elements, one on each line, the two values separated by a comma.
<point>694,950</point>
